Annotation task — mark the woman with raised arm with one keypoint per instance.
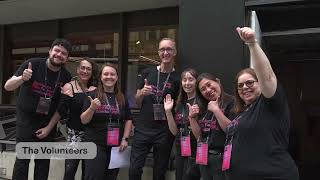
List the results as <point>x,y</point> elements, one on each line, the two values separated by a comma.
<point>179,126</point>
<point>257,140</point>
<point>108,123</point>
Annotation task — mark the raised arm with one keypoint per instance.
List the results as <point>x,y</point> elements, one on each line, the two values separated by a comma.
<point>168,105</point>
<point>260,62</point>
<point>193,113</point>
<point>223,121</point>
<point>86,116</point>
<point>15,81</point>
<point>146,90</point>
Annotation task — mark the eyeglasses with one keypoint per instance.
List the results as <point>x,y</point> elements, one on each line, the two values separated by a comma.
<point>248,83</point>
<point>169,50</point>
<point>83,68</point>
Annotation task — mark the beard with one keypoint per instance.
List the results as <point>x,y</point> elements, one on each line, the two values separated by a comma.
<point>53,63</point>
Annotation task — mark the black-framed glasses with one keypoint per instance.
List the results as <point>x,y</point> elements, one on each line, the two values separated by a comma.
<point>248,83</point>
<point>169,50</point>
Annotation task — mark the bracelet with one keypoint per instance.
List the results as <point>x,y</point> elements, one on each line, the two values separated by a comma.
<point>251,43</point>
<point>126,139</point>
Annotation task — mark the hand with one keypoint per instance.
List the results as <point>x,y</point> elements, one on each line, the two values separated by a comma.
<point>147,89</point>
<point>168,103</point>
<point>213,106</point>
<point>92,88</point>
<point>67,92</point>
<point>193,110</point>
<point>123,145</point>
<point>43,132</point>
<point>27,73</point>
<point>247,34</point>
<point>95,103</point>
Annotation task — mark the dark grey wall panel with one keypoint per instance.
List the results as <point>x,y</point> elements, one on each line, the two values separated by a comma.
<point>208,40</point>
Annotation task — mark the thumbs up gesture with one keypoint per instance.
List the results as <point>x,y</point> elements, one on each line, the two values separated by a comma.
<point>213,106</point>
<point>247,34</point>
<point>193,110</point>
<point>147,89</point>
<point>27,73</point>
<point>95,103</point>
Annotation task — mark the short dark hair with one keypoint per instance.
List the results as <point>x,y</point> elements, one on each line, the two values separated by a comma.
<point>62,42</point>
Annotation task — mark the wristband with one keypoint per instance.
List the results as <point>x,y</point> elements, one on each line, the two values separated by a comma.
<point>125,139</point>
<point>251,43</point>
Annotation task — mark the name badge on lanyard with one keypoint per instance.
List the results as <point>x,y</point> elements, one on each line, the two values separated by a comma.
<point>185,144</point>
<point>113,134</point>
<point>226,157</point>
<point>202,153</point>
<point>43,105</point>
<point>113,129</point>
<point>226,160</point>
<point>158,112</point>
<point>158,108</point>
<point>44,102</point>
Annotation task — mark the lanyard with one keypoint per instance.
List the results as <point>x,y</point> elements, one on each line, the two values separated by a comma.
<point>46,80</point>
<point>164,85</point>
<point>110,110</point>
<point>232,127</point>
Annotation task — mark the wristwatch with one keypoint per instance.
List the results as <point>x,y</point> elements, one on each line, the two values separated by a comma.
<point>126,139</point>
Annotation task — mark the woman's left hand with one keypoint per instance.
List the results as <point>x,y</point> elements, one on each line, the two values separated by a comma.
<point>123,145</point>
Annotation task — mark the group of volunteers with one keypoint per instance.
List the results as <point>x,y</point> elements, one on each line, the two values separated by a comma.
<point>215,135</point>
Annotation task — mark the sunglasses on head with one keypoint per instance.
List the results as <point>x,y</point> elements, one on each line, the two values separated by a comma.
<point>248,83</point>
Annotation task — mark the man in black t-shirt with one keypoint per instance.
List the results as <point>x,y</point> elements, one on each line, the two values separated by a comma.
<point>151,128</point>
<point>40,81</point>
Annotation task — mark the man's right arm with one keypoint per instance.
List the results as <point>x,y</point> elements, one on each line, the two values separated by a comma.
<point>23,74</point>
<point>13,83</point>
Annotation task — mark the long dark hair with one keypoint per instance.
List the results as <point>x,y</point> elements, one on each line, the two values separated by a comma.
<point>182,97</point>
<point>239,103</point>
<point>100,90</point>
<point>93,81</point>
<point>202,101</point>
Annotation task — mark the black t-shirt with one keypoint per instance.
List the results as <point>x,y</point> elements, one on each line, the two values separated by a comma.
<point>36,87</point>
<point>146,123</point>
<point>96,130</point>
<point>210,128</point>
<point>260,142</point>
<point>182,120</point>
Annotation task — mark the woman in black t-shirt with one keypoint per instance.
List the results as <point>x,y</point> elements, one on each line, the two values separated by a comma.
<point>70,106</point>
<point>257,140</point>
<point>209,119</point>
<point>108,123</point>
<point>179,126</point>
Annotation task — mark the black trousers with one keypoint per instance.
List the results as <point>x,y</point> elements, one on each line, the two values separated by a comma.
<point>25,133</point>
<point>97,168</point>
<point>213,171</point>
<point>71,167</point>
<point>186,169</point>
<point>142,143</point>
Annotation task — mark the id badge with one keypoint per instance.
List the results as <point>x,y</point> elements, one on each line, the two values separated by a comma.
<point>159,113</point>
<point>113,135</point>
<point>226,157</point>
<point>43,105</point>
<point>185,145</point>
<point>202,153</point>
